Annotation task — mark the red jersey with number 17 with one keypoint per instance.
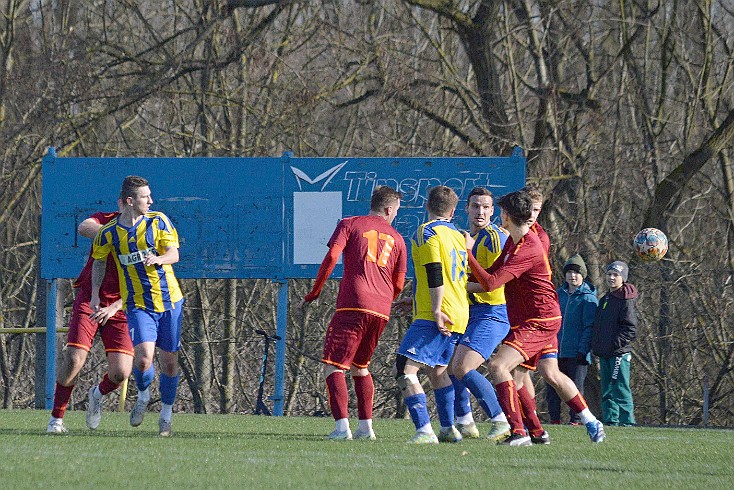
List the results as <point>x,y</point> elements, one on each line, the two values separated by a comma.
<point>109,291</point>
<point>374,254</point>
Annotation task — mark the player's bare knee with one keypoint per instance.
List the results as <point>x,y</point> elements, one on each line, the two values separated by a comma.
<point>359,372</point>
<point>405,381</point>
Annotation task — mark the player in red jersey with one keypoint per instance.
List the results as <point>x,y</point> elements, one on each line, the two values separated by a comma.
<point>375,264</point>
<point>109,321</point>
<point>534,314</point>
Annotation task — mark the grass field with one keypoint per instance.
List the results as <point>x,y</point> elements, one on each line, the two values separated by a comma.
<point>246,451</point>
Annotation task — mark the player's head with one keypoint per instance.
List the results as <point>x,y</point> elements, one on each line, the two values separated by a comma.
<point>479,208</point>
<point>537,196</point>
<point>135,193</point>
<point>442,201</point>
<point>386,202</point>
<point>517,207</point>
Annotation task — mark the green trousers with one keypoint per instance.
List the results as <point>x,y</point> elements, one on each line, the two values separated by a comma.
<point>616,397</point>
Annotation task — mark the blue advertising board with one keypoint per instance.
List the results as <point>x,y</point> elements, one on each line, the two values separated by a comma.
<point>246,218</point>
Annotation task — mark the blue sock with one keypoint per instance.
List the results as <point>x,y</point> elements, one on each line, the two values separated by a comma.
<point>143,379</point>
<point>169,385</point>
<point>462,404</point>
<point>418,410</point>
<point>483,391</point>
<point>445,405</point>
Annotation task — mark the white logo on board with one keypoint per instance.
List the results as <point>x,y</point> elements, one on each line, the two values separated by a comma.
<point>328,175</point>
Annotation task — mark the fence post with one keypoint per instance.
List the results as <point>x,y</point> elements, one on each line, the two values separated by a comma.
<point>705,400</point>
<point>278,396</point>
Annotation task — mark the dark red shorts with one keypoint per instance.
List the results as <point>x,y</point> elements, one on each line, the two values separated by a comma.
<point>115,335</point>
<point>351,339</point>
<point>533,341</point>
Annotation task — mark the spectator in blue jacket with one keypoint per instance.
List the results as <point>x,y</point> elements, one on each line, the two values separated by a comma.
<point>578,301</point>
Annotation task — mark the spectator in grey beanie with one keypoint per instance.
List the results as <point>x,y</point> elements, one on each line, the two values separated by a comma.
<point>615,327</point>
<point>577,299</point>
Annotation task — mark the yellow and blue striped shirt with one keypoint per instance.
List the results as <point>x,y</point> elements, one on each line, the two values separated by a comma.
<point>488,246</point>
<point>152,288</point>
<point>440,241</point>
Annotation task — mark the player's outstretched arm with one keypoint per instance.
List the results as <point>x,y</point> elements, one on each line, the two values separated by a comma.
<point>325,270</point>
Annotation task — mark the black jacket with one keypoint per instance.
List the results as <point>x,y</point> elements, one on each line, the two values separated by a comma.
<point>615,323</point>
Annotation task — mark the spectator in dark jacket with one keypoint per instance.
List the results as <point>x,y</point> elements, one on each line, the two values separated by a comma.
<point>615,327</point>
<point>577,298</point>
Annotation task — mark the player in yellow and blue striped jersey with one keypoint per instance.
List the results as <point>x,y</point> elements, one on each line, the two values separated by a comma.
<point>144,245</point>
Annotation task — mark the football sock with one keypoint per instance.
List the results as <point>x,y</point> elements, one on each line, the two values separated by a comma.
<point>529,413</point>
<point>483,391</point>
<point>577,403</point>
<point>510,403</point>
<point>365,425</point>
<point>462,403</point>
<point>169,386</point>
<point>166,412</point>
<point>106,385</point>
<point>465,419</point>
<point>342,425</point>
<point>96,393</point>
<point>61,400</point>
<point>143,379</point>
<point>364,388</point>
<point>418,410</point>
<point>144,395</point>
<point>499,418</point>
<point>586,416</point>
<point>336,387</point>
<point>445,405</point>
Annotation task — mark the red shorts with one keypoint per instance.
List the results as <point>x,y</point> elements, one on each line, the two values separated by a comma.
<point>533,341</point>
<point>115,335</point>
<point>351,339</point>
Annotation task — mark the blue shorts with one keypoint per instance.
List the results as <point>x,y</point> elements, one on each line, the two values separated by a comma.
<point>163,328</point>
<point>488,326</point>
<point>423,343</point>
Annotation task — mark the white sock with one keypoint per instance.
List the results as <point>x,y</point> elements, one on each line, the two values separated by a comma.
<point>166,412</point>
<point>96,393</point>
<point>465,419</point>
<point>586,416</point>
<point>426,429</point>
<point>499,418</point>
<point>54,419</point>
<point>342,425</point>
<point>365,425</point>
<point>144,396</point>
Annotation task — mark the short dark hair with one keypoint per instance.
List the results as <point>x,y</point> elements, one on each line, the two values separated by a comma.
<point>130,185</point>
<point>518,205</point>
<point>382,197</point>
<point>442,200</point>
<point>478,191</point>
<point>535,193</point>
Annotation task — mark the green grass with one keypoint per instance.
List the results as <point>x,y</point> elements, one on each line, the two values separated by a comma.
<point>245,451</point>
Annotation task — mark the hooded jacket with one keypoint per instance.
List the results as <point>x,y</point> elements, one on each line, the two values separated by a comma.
<point>615,323</point>
<point>578,310</point>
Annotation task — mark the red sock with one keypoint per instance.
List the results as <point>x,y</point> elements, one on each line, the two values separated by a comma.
<point>510,403</point>
<point>364,387</point>
<point>106,385</point>
<point>336,385</point>
<point>61,400</point>
<point>577,403</point>
<point>529,412</point>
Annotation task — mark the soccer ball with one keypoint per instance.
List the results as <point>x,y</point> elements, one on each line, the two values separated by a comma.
<point>650,244</point>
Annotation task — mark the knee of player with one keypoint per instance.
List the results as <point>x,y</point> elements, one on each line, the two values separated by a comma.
<point>404,380</point>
